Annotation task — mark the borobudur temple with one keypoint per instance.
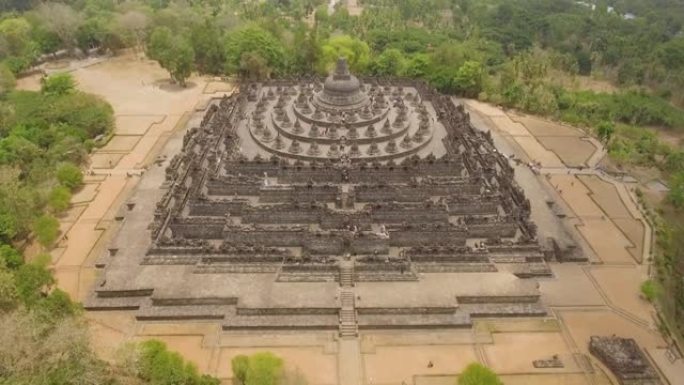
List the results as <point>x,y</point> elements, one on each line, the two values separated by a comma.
<point>339,204</point>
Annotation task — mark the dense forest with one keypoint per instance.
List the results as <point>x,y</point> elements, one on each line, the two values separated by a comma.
<point>526,54</point>
<point>533,55</point>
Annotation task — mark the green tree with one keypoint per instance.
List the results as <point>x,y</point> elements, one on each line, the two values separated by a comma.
<point>477,374</point>
<point>605,131</point>
<point>674,161</point>
<point>469,78</point>
<point>33,281</point>
<point>16,34</point>
<point>676,193</point>
<point>183,61</point>
<point>58,84</point>
<point>306,50</point>
<point>264,369</point>
<point>418,66</point>
<point>160,46</point>
<point>209,51</point>
<point>46,228</point>
<point>54,306</point>
<point>17,209</point>
<point>59,198</point>
<point>129,28</point>
<point>57,352</point>
<point>672,54</point>
<point>10,257</point>
<point>69,175</point>
<point>259,43</point>
<point>8,289</point>
<point>389,63</point>
<point>173,53</point>
<point>88,115</point>
<point>157,365</point>
<point>18,49</point>
<point>91,33</point>
<point>240,365</point>
<point>354,50</point>
<point>254,67</point>
<point>649,289</point>
<point>7,80</point>
<point>60,19</point>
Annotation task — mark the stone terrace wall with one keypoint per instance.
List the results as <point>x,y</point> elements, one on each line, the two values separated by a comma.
<point>216,208</point>
<point>316,193</point>
<point>412,236</point>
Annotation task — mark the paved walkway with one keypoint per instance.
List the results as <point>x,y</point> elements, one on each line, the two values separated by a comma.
<point>349,362</point>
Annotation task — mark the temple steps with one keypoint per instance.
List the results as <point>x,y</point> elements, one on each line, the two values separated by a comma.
<point>346,277</point>
<point>346,274</point>
<point>348,323</point>
<point>349,330</point>
<point>347,299</point>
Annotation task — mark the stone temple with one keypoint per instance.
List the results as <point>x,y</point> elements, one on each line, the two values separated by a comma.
<point>337,204</point>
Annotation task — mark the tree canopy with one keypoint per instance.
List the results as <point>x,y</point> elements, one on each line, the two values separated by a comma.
<point>477,374</point>
<point>354,50</point>
<point>254,52</point>
<point>173,53</point>
<point>262,368</point>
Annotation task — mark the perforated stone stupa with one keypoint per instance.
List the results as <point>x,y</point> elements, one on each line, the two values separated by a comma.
<point>345,204</point>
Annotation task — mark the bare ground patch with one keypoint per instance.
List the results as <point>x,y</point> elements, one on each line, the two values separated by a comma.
<point>543,127</point>
<point>394,364</point>
<point>121,143</point>
<point>136,124</point>
<point>573,151</point>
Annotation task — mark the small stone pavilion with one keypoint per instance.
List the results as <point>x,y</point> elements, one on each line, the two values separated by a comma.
<point>328,204</point>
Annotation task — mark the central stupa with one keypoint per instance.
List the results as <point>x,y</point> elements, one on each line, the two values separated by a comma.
<point>341,90</point>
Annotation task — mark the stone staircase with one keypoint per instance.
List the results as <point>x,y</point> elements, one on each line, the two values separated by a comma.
<point>348,323</point>
<point>346,274</point>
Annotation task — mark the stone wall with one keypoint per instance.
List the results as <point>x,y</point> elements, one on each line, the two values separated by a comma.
<point>315,193</point>
<point>216,208</point>
<point>417,236</point>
